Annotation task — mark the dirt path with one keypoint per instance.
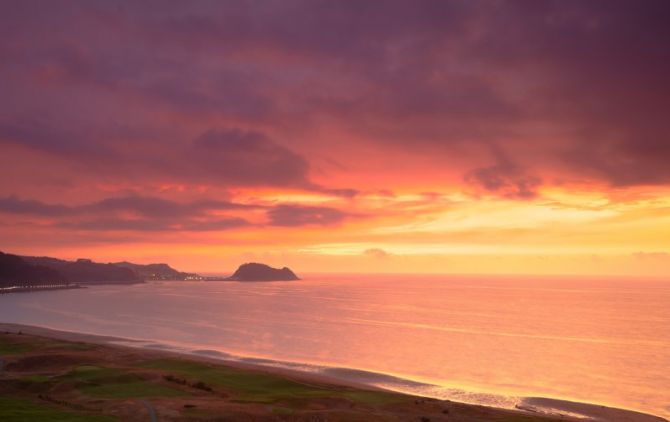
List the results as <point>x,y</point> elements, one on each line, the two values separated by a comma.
<point>151,409</point>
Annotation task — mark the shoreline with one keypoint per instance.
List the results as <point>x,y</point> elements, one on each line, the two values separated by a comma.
<point>547,408</point>
<point>38,288</point>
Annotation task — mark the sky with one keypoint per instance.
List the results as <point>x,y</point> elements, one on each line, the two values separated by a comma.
<point>510,137</point>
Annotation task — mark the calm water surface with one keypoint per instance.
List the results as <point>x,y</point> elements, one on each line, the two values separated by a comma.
<point>477,339</point>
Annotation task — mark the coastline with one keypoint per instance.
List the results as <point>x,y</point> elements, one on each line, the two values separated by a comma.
<point>38,288</point>
<point>542,409</point>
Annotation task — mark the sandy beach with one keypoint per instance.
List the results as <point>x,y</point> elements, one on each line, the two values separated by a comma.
<point>58,370</point>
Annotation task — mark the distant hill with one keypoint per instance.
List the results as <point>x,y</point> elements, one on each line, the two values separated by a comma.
<point>14,270</point>
<point>156,271</point>
<point>260,272</point>
<point>85,271</point>
<point>36,270</point>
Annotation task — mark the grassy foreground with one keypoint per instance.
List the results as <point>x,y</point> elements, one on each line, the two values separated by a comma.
<point>50,380</point>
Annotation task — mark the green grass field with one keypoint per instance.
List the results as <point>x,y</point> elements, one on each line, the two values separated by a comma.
<point>9,348</point>
<point>62,345</point>
<point>250,386</point>
<point>17,410</point>
<point>102,382</point>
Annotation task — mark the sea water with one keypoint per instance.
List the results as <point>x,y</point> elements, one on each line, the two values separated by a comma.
<point>481,339</point>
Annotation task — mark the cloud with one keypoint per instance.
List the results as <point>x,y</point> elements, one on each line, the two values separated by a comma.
<point>504,178</point>
<point>139,205</point>
<point>133,213</point>
<point>596,72</point>
<point>247,94</point>
<point>41,135</point>
<point>224,157</point>
<point>652,256</point>
<point>376,253</point>
<point>160,208</point>
<point>152,224</point>
<point>508,181</point>
<point>137,213</point>
<point>248,158</point>
<point>289,215</point>
<point>15,205</point>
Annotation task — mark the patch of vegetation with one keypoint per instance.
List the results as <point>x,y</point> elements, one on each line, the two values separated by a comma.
<point>248,386</point>
<point>115,383</point>
<point>282,411</point>
<point>66,345</point>
<point>15,410</point>
<point>198,413</point>
<point>199,385</point>
<point>216,415</point>
<point>32,383</point>
<point>37,379</point>
<point>373,397</point>
<point>9,347</point>
<point>92,372</point>
<point>129,390</point>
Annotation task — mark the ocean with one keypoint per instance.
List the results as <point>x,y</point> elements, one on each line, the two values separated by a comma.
<point>479,339</point>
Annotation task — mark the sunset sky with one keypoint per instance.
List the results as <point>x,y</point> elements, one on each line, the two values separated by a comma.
<point>339,136</point>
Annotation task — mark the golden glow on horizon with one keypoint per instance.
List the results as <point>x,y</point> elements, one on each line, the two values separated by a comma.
<point>561,231</point>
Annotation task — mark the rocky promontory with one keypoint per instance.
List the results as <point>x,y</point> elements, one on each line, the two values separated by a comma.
<point>260,272</point>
